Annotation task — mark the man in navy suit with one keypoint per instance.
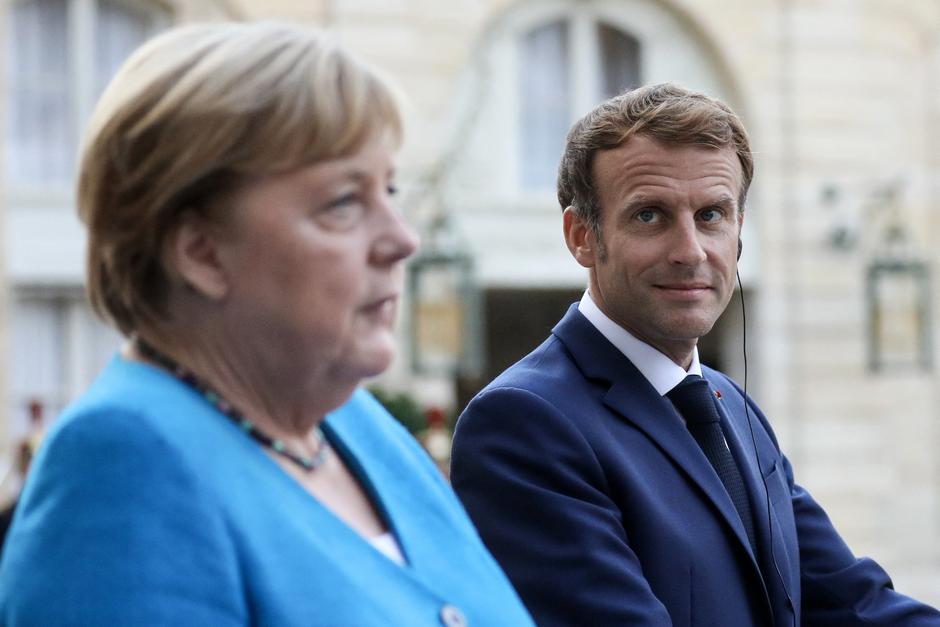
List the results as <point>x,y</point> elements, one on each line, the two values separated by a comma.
<point>590,479</point>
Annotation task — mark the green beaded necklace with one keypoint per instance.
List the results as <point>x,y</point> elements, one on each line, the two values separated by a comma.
<point>307,463</point>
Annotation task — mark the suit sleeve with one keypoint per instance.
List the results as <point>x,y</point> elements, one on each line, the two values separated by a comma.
<point>534,489</point>
<point>837,588</point>
<point>114,529</point>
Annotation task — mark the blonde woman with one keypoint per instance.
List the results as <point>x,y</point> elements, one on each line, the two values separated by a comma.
<point>225,469</point>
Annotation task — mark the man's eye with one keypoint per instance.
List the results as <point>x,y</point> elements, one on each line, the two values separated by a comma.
<point>710,215</point>
<point>646,215</point>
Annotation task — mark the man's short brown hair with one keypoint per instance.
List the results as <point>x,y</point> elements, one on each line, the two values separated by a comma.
<point>666,113</point>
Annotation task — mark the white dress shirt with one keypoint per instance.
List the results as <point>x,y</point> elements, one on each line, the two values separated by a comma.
<point>388,546</point>
<point>662,373</point>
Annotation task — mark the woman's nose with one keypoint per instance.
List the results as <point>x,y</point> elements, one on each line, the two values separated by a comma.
<point>397,241</point>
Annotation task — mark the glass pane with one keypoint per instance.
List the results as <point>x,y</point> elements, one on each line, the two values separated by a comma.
<point>40,137</point>
<point>119,31</point>
<point>58,349</point>
<point>37,359</point>
<point>620,60</point>
<point>545,112</point>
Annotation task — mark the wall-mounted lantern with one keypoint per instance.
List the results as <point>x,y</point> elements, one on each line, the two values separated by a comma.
<point>445,318</point>
<point>898,297</point>
<point>897,278</point>
<point>899,322</point>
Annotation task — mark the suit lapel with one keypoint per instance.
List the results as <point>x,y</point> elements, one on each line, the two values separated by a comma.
<point>632,397</point>
<point>738,435</point>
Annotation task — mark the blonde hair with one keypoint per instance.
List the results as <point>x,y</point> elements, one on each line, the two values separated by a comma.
<point>193,114</point>
<point>666,113</point>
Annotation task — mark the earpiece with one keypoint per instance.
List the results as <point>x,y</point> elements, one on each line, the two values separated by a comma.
<point>740,247</point>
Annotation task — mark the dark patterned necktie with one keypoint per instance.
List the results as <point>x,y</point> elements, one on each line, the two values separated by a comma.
<point>696,403</point>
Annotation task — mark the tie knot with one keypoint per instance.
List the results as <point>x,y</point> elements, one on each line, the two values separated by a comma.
<point>694,400</point>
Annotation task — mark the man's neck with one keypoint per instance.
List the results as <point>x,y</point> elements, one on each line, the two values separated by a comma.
<point>657,367</point>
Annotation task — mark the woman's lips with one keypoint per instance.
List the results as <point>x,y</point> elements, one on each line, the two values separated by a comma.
<point>383,309</point>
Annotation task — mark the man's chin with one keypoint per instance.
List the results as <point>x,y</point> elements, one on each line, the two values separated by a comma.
<point>689,329</point>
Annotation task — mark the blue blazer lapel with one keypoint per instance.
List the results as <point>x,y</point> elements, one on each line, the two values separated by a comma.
<point>632,397</point>
<point>738,435</point>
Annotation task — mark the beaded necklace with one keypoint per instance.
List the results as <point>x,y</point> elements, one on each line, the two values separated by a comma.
<point>307,463</point>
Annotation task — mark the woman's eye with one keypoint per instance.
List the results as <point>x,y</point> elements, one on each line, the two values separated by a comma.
<point>342,201</point>
<point>341,212</point>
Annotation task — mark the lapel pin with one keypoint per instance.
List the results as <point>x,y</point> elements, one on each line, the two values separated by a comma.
<point>717,394</point>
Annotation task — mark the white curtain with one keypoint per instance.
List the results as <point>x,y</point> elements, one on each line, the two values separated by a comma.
<point>40,133</point>
<point>47,102</point>
<point>119,31</point>
<point>545,96</point>
<point>37,359</point>
<point>620,60</point>
<point>58,348</point>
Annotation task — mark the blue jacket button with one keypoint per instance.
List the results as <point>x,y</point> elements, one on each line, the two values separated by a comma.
<point>452,617</point>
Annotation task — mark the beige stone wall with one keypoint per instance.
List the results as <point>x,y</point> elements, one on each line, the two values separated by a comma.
<point>861,118</point>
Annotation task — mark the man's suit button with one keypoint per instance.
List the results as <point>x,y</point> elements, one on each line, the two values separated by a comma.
<point>452,617</point>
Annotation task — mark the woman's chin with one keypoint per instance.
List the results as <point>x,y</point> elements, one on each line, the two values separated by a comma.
<point>375,360</point>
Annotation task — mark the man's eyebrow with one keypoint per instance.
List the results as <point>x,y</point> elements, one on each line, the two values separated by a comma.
<point>725,201</point>
<point>640,201</point>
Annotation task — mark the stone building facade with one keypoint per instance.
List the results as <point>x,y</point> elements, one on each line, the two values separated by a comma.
<point>842,99</point>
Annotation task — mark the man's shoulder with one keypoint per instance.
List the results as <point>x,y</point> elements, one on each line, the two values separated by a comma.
<point>545,385</point>
<point>544,371</point>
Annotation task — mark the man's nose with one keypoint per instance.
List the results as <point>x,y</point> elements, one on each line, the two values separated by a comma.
<point>686,245</point>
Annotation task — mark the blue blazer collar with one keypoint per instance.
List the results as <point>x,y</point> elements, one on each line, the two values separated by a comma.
<point>632,397</point>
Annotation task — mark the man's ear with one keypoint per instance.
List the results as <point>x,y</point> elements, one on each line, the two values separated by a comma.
<point>580,238</point>
<point>192,255</point>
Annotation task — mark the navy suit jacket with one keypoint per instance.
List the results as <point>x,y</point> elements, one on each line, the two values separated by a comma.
<point>602,509</point>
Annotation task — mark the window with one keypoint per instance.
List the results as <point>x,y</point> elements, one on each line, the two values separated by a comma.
<point>57,349</point>
<point>39,135</point>
<point>620,60</point>
<point>546,109</point>
<point>566,66</point>
<point>61,54</point>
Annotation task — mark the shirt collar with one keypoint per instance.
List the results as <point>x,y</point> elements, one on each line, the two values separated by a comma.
<point>662,373</point>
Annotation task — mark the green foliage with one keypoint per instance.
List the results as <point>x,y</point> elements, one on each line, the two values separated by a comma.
<point>403,407</point>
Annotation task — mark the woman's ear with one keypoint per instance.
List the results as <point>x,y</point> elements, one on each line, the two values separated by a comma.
<point>192,255</point>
